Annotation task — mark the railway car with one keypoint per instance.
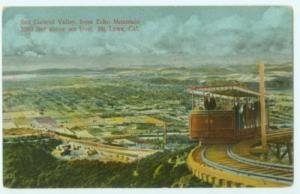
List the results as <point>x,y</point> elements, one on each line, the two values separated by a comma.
<point>224,114</point>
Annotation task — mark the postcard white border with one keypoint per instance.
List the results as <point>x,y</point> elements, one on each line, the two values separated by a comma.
<point>293,3</point>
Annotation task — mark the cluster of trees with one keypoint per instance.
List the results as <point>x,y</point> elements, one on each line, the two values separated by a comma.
<point>31,165</point>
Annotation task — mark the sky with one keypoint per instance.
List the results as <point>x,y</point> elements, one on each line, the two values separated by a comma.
<point>166,35</point>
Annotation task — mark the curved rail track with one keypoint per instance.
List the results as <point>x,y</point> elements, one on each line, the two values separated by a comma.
<point>234,166</point>
<point>222,158</point>
<point>245,160</point>
<point>219,166</point>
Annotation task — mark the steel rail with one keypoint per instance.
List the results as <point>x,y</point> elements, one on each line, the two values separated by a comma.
<point>274,178</point>
<point>269,165</point>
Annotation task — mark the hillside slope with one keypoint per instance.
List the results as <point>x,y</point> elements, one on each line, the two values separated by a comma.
<point>32,165</point>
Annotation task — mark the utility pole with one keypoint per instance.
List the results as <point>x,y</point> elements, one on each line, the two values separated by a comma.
<point>262,106</point>
<point>165,135</point>
<point>192,101</point>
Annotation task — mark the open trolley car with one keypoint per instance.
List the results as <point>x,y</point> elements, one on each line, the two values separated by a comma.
<point>224,114</point>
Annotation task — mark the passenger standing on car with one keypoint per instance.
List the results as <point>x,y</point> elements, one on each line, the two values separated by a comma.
<point>213,103</point>
<point>257,113</point>
<point>236,109</point>
<point>241,116</point>
<point>206,101</point>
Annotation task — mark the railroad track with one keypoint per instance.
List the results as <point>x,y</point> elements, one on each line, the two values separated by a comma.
<point>223,158</point>
<point>269,165</point>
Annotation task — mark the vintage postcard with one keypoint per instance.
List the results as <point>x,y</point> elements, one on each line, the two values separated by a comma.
<point>147,97</point>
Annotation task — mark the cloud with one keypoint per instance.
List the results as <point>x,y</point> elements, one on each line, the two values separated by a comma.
<point>234,37</point>
<point>31,54</point>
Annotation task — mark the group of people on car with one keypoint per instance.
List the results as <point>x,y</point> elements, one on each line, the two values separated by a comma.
<point>246,110</point>
<point>247,113</point>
